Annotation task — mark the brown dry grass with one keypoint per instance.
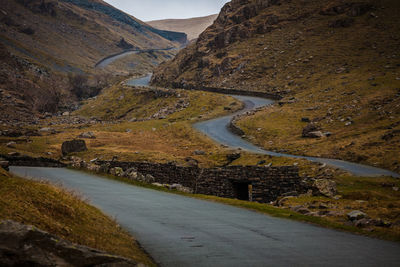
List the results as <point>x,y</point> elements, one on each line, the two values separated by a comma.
<point>346,72</point>
<point>373,196</point>
<point>66,215</point>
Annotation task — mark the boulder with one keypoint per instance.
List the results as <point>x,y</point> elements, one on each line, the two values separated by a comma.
<point>199,152</point>
<point>47,130</point>
<point>192,162</point>
<point>326,187</point>
<point>149,179</point>
<point>281,202</point>
<point>335,213</point>
<point>232,157</point>
<point>301,210</point>
<point>133,174</point>
<point>87,135</point>
<point>22,245</point>
<point>316,134</point>
<point>365,222</point>
<point>11,144</point>
<point>117,171</point>
<point>180,188</point>
<point>73,146</point>
<point>78,162</point>
<point>124,44</point>
<point>93,167</point>
<point>356,215</point>
<point>311,131</point>
<point>105,168</point>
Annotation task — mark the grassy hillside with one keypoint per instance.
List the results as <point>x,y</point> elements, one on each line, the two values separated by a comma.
<point>64,214</point>
<point>192,27</point>
<point>139,124</point>
<point>335,62</point>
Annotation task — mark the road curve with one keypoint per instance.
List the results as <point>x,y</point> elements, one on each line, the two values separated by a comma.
<point>110,59</point>
<point>182,231</point>
<point>217,130</point>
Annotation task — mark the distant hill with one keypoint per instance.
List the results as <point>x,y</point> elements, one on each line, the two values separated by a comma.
<point>192,27</point>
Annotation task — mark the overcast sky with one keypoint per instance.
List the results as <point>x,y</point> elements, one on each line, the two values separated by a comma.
<point>146,10</point>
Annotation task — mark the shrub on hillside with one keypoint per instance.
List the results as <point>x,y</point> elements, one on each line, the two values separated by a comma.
<point>83,86</point>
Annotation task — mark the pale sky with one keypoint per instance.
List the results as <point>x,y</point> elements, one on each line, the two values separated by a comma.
<point>147,10</point>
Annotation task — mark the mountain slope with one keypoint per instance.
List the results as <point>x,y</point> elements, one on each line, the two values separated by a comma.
<point>192,27</point>
<point>42,42</point>
<point>336,63</point>
<point>72,35</point>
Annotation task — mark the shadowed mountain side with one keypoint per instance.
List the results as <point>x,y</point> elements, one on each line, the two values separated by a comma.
<point>72,35</point>
<point>50,47</point>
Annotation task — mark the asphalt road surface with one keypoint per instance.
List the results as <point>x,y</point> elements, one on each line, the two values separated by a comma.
<point>182,231</point>
<point>217,130</point>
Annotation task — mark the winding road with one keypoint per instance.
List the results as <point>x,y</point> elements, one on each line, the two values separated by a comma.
<point>217,129</point>
<point>110,59</point>
<point>182,231</point>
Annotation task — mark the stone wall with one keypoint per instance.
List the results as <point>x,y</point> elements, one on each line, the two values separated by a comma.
<point>230,91</point>
<point>261,184</point>
<point>32,162</point>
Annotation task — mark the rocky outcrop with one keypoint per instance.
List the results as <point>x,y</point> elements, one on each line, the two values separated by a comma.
<point>356,215</point>
<point>22,245</point>
<point>73,146</point>
<point>326,187</point>
<point>87,135</point>
<point>232,25</point>
<point>351,9</point>
<point>247,46</point>
<point>234,18</point>
<point>312,131</point>
<point>124,44</point>
<point>40,6</point>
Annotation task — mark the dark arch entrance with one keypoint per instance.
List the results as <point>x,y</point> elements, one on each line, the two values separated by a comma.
<point>242,190</point>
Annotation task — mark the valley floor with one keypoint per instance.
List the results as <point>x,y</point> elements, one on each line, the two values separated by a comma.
<point>153,124</point>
